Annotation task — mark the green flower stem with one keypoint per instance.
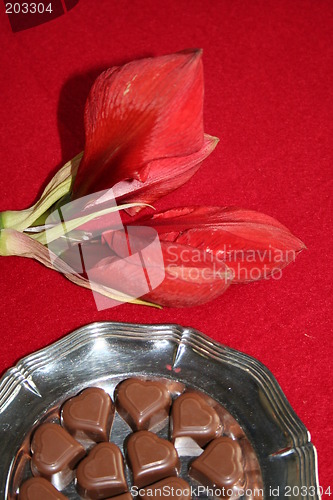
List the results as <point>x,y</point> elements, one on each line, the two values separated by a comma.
<point>59,230</point>
<point>3,246</point>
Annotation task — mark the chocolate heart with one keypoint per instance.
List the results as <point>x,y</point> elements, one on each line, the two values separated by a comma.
<point>101,473</point>
<point>220,465</point>
<point>143,403</point>
<point>192,417</point>
<point>151,458</point>
<point>171,487</point>
<point>89,416</point>
<point>55,454</point>
<point>38,488</point>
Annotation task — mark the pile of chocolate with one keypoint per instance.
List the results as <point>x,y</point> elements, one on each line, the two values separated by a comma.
<point>79,448</point>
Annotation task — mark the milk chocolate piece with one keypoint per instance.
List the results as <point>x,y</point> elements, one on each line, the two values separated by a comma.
<point>88,417</point>
<point>192,417</point>
<point>55,454</point>
<point>143,403</point>
<point>151,458</point>
<point>231,427</point>
<point>38,488</point>
<point>171,487</point>
<point>101,473</point>
<point>220,466</point>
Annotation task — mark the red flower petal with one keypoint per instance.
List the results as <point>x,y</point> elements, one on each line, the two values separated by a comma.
<point>191,277</point>
<point>164,176</point>
<point>182,218</point>
<point>143,111</point>
<point>252,244</point>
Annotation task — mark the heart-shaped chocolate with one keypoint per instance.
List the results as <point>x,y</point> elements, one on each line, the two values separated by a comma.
<point>151,458</point>
<point>143,403</point>
<point>220,465</point>
<point>192,417</point>
<point>171,487</point>
<point>55,453</point>
<point>38,488</point>
<point>88,417</point>
<point>101,473</point>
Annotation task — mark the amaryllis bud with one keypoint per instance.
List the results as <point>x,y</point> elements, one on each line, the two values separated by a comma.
<point>144,111</point>
<point>204,249</point>
<point>253,245</point>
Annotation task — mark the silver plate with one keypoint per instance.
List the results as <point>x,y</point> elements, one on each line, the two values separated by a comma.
<point>102,354</point>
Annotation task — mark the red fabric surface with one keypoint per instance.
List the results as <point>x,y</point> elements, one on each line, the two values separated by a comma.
<point>268,79</point>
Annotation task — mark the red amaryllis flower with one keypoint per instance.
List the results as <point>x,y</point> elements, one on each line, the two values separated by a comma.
<point>144,138</point>
<point>251,244</point>
<point>143,122</point>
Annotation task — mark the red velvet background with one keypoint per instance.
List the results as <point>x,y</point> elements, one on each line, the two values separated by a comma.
<point>268,74</point>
